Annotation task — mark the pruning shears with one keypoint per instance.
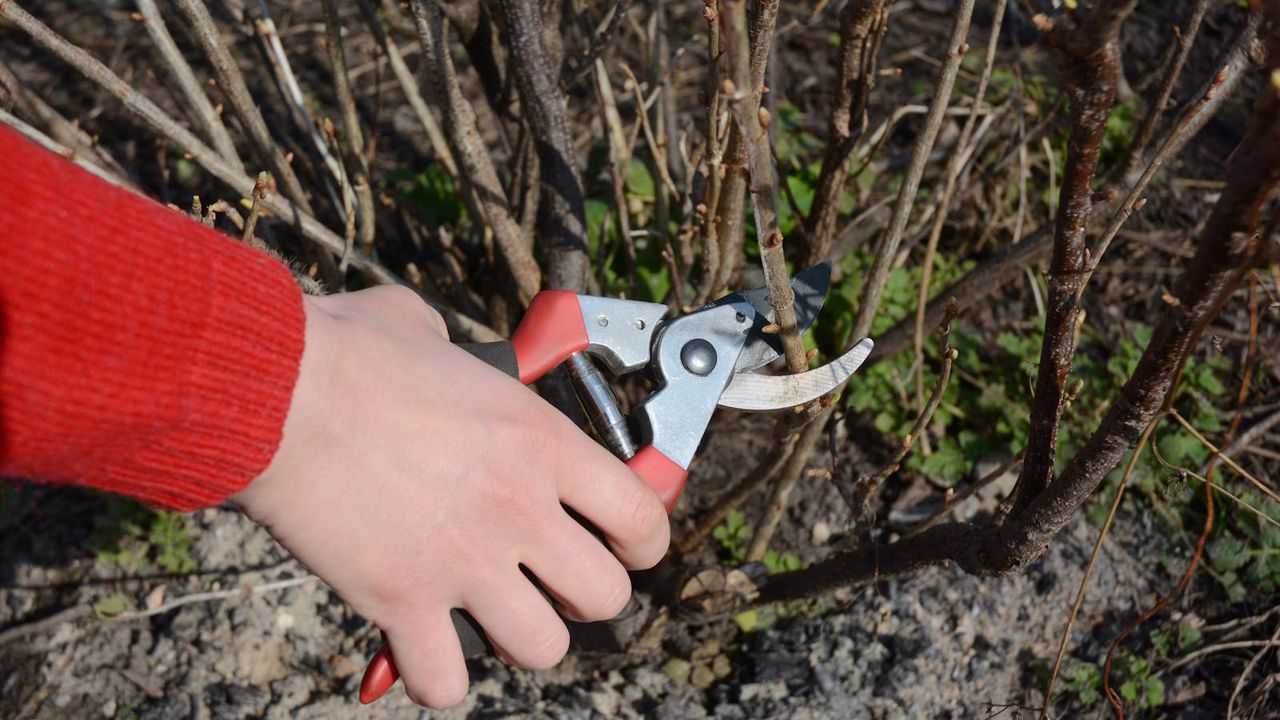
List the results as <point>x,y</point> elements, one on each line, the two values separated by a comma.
<point>699,361</point>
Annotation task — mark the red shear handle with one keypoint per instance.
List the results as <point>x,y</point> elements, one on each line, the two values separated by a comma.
<point>379,676</point>
<point>662,473</point>
<point>551,331</point>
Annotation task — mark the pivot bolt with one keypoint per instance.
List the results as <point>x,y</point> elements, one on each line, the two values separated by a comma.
<point>699,357</point>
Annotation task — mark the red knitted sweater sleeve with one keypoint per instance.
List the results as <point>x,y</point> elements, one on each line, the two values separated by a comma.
<point>140,352</point>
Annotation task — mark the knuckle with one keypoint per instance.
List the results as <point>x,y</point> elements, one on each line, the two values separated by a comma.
<point>615,595</point>
<point>438,693</point>
<point>646,516</point>
<point>548,645</point>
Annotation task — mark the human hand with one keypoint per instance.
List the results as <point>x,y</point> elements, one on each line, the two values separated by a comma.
<point>415,479</point>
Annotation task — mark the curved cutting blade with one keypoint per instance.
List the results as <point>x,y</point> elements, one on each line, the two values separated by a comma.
<point>810,288</point>
<point>753,392</point>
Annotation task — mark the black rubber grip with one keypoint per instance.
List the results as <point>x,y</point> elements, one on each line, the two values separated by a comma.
<point>501,355</point>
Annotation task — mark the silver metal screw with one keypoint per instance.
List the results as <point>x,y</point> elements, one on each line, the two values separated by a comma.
<point>698,357</point>
<point>603,321</point>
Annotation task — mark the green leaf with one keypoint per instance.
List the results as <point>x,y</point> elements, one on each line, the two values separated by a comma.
<point>109,606</point>
<point>639,181</point>
<point>1154,695</point>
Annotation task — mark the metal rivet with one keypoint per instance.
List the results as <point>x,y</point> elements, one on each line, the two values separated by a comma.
<point>741,317</point>
<point>639,324</point>
<point>698,357</point>
<point>603,321</point>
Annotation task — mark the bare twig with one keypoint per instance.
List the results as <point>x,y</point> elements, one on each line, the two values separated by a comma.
<point>707,209</point>
<point>206,157</point>
<point>787,478</point>
<point>261,189</point>
<point>297,103</point>
<point>245,593</point>
<point>15,633</point>
<point>1185,37</point>
<point>48,143</point>
<point>749,117</point>
<point>619,158</point>
<point>231,80</point>
<point>887,249</point>
<point>191,87</point>
<point>352,134</point>
<point>951,175</point>
<point>1248,670</point>
<point>409,86</point>
<point>864,488</point>
<point>1093,561</point>
<point>752,481</point>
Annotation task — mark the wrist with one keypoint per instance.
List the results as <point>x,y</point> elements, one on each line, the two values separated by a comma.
<point>267,491</point>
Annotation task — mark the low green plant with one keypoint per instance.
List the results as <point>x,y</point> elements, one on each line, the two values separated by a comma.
<point>128,534</point>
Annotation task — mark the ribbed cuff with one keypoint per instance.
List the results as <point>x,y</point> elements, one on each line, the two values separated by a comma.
<point>140,352</point>
<point>237,392</point>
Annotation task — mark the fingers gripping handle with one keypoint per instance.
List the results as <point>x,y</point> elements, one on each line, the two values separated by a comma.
<point>663,474</point>
<point>552,330</point>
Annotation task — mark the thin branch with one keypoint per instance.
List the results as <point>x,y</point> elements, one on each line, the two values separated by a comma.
<point>1093,561</point>
<point>287,84</point>
<point>865,488</point>
<point>750,118</point>
<point>752,481</point>
<point>261,190</point>
<point>207,158</point>
<point>231,80</point>
<point>887,249</point>
<point>1185,37</point>
<point>707,209</point>
<point>1248,670</point>
<point>951,175</point>
<point>65,137</point>
<point>786,482</point>
<point>191,87</point>
<point>352,134</point>
<point>619,159</point>
<point>241,592</point>
<point>409,86</point>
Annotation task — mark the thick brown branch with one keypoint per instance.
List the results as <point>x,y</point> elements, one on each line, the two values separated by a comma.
<point>862,27</point>
<point>1224,250</point>
<point>474,161</point>
<point>1088,59</point>
<point>561,213</point>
